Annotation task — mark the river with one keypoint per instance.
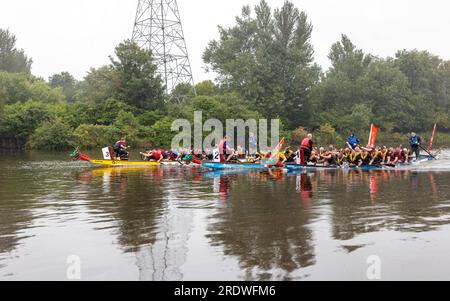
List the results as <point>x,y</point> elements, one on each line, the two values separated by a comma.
<point>184,223</point>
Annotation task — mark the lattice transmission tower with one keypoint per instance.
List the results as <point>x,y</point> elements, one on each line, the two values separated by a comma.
<point>158,27</point>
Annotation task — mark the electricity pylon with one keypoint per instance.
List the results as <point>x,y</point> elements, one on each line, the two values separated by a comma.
<point>158,27</point>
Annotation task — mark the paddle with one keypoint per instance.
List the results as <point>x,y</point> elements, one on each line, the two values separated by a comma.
<point>427,152</point>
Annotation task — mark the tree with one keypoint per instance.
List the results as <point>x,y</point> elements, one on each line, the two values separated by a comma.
<point>65,81</point>
<point>268,61</point>
<point>97,86</point>
<point>134,77</point>
<point>19,87</point>
<point>12,59</point>
<point>344,83</point>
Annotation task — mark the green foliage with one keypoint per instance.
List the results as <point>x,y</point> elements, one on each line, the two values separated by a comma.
<point>93,136</point>
<point>51,135</point>
<point>161,134</point>
<point>11,59</point>
<point>128,125</point>
<point>134,77</point>
<point>298,135</point>
<point>19,87</point>
<point>108,110</point>
<point>268,60</point>
<point>360,117</point>
<point>326,135</point>
<point>66,82</point>
<point>97,86</point>
<point>265,69</point>
<point>206,88</point>
<point>21,119</point>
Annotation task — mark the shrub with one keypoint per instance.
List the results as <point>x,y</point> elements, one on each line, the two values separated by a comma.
<point>93,136</point>
<point>51,135</point>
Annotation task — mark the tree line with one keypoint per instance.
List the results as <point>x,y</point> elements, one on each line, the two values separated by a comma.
<point>265,69</point>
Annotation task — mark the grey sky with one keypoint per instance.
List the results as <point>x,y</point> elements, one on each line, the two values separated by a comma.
<point>63,35</point>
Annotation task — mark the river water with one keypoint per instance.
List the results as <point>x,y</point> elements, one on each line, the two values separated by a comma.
<point>184,223</point>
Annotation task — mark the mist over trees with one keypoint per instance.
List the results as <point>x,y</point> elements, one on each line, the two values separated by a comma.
<point>265,69</point>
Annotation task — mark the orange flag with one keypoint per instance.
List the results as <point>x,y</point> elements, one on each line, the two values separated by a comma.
<point>373,136</point>
<point>430,146</point>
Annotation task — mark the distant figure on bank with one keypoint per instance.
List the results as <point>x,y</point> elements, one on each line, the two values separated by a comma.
<point>414,142</point>
<point>352,140</point>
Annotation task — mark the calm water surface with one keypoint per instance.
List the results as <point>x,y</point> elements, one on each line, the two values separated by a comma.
<point>172,223</point>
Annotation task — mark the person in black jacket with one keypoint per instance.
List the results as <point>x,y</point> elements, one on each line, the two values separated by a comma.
<point>414,142</point>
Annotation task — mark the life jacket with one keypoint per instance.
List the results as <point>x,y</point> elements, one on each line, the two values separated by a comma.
<point>400,156</point>
<point>118,145</point>
<point>383,153</point>
<point>306,144</point>
<point>364,157</point>
<point>353,158</point>
<point>288,154</point>
<point>157,155</point>
<point>392,155</point>
<point>222,146</point>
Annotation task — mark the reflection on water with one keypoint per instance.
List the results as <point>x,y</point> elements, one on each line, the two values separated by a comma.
<point>185,223</point>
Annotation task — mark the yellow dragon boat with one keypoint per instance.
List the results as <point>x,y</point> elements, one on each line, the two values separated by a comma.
<point>109,160</point>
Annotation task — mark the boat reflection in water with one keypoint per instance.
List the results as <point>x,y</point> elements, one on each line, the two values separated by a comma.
<point>178,223</point>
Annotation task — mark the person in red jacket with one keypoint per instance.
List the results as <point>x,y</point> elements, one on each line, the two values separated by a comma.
<point>306,148</point>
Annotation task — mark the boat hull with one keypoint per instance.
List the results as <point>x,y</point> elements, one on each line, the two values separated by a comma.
<point>226,166</point>
<point>123,163</point>
<point>294,167</point>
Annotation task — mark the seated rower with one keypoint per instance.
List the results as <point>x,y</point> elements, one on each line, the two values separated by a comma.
<point>406,154</point>
<point>383,155</point>
<point>255,159</point>
<point>392,156</point>
<point>325,157</point>
<point>234,156</point>
<point>315,156</point>
<point>353,158</point>
<point>340,158</point>
<point>290,155</point>
<point>376,157</point>
<point>153,155</point>
<point>364,158</point>
<point>281,160</point>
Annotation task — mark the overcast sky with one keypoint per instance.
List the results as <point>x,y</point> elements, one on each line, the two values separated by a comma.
<point>63,35</point>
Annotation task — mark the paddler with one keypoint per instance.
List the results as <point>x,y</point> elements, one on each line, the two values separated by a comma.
<point>224,149</point>
<point>406,154</point>
<point>120,148</point>
<point>364,157</point>
<point>353,158</point>
<point>281,160</point>
<point>290,155</point>
<point>325,157</point>
<point>392,156</point>
<point>414,142</point>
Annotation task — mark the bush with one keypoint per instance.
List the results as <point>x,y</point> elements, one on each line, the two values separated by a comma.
<point>51,135</point>
<point>90,136</point>
<point>161,134</point>
<point>327,135</point>
<point>298,135</point>
<point>20,120</point>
